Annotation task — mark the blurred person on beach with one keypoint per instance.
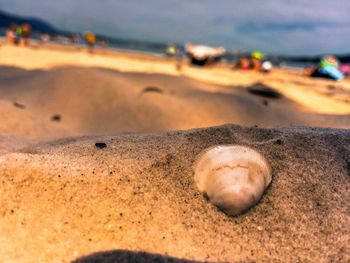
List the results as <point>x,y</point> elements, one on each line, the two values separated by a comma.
<point>19,32</point>
<point>345,69</point>
<point>256,60</point>
<point>328,68</point>
<point>11,36</point>
<point>179,55</point>
<point>243,63</point>
<point>26,31</point>
<point>90,40</point>
<point>172,50</point>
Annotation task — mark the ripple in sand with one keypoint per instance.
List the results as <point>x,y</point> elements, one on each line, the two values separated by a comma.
<point>152,89</point>
<point>19,105</point>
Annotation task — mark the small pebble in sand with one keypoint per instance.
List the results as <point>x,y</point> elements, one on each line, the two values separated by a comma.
<point>56,117</point>
<point>100,145</point>
<point>279,142</point>
<point>233,177</point>
<point>19,105</point>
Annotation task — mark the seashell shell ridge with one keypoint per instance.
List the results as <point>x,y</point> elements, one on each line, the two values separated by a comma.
<point>233,177</point>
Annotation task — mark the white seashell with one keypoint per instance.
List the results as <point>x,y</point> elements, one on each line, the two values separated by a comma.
<point>233,177</point>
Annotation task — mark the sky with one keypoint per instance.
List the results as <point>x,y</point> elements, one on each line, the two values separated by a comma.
<point>294,27</point>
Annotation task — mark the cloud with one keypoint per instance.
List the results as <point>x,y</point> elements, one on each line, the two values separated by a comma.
<point>285,26</point>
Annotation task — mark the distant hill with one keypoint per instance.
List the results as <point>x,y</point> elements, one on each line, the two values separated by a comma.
<point>37,25</point>
<point>41,26</point>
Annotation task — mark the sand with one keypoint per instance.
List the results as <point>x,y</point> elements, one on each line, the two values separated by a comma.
<point>66,200</point>
<point>316,94</point>
<point>90,101</point>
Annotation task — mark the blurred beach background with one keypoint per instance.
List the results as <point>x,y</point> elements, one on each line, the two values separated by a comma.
<point>105,107</point>
<point>291,33</point>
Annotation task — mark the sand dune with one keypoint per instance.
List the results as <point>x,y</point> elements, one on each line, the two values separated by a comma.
<point>313,94</point>
<point>67,199</point>
<point>101,101</point>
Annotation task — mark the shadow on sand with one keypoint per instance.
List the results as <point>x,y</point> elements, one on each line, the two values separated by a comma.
<point>126,256</point>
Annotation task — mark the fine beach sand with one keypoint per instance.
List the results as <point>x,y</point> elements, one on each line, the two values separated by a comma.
<point>64,199</point>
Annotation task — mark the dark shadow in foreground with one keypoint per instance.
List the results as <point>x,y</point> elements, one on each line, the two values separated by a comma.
<point>126,256</point>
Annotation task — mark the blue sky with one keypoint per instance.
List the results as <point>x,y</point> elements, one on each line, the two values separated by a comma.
<point>273,26</point>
